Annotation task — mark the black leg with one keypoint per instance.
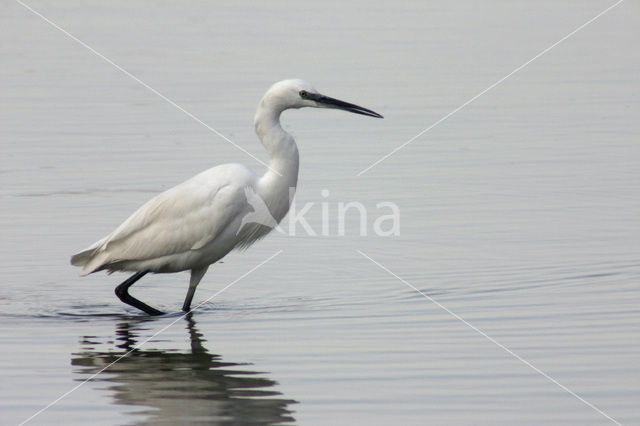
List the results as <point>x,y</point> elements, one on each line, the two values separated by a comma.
<point>122,291</point>
<point>196,276</point>
<point>186,306</point>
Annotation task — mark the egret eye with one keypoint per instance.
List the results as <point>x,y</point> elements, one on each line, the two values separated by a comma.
<point>303,93</point>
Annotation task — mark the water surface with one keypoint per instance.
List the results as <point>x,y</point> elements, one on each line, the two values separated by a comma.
<point>519,214</point>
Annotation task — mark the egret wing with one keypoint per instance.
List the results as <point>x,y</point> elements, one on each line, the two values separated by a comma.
<point>180,219</point>
<point>176,224</point>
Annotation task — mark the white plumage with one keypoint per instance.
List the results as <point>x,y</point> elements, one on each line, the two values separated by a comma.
<point>199,221</point>
<point>170,232</point>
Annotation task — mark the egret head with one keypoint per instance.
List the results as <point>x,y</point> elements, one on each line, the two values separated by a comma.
<point>296,93</point>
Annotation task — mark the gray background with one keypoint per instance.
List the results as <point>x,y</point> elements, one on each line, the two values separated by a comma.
<point>519,213</point>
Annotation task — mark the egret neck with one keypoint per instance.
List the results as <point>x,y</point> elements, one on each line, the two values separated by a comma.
<point>279,182</point>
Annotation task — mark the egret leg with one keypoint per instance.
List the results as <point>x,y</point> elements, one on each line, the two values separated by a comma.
<point>122,291</point>
<point>196,276</point>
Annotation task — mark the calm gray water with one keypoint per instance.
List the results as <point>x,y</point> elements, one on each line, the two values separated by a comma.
<point>520,214</point>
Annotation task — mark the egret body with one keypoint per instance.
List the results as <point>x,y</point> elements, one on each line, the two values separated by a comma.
<point>195,224</point>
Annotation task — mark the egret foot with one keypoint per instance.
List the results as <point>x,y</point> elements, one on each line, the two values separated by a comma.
<point>122,291</point>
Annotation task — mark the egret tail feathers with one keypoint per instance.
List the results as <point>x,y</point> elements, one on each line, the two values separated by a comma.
<point>89,259</point>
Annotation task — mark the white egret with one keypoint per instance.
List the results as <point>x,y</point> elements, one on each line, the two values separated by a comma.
<point>197,223</point>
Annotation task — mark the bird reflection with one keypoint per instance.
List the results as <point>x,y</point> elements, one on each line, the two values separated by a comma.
<point>193,387</point>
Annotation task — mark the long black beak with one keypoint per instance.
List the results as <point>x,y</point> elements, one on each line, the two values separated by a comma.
<point>338,104</point>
